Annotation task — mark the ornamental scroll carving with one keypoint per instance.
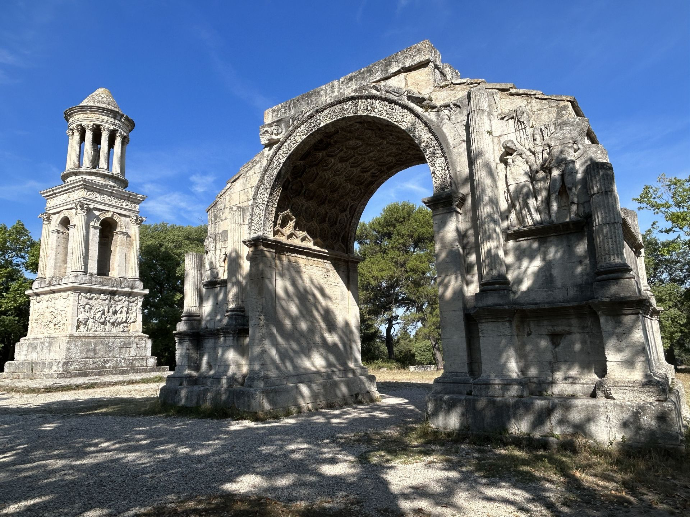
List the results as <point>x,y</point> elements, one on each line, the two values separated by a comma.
<point>48,314</point>
<point>106,313</point>
<point>267,193</point>
<point>285,230</point>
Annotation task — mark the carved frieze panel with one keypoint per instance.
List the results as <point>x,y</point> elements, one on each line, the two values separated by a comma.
<point>107,313</point>
<point>49,314</point>
<point>84,194</point>
<point>543,168</point>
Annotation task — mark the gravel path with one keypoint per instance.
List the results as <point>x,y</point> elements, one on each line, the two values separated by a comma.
<point>60,457</point>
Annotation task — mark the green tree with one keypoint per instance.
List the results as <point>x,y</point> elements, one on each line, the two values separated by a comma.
<point>161,268</point>
<point>668,261</point>
<point>397,278</point>
<point>18,256</point>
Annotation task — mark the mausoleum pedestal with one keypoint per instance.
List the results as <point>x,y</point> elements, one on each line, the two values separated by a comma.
<point>86,316</point>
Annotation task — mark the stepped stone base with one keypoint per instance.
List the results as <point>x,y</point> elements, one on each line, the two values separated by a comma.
<point>83,355</point>
<point>301,396</point>
<point>606,421</point>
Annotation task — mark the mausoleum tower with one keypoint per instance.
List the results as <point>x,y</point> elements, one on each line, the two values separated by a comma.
<point>98,136</point>
<point>86,301</point>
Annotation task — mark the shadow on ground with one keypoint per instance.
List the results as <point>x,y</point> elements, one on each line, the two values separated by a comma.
<point>99,456</point>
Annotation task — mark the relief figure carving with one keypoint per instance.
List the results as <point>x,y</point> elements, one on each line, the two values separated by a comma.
<point>105,313</point>
<point>521,168</point>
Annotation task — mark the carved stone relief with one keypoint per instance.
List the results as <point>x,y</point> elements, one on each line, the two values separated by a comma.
<point>544,169</point>
<point>91,196</point>
<point>285,230</point>
<point>326,187</point>
<point>106,313</point>
<point>48,314</point>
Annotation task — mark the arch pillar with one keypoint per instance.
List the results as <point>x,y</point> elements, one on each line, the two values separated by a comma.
<point>450,268</point>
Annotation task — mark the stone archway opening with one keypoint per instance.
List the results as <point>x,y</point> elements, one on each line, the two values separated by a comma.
<point>327,183</point>
<point>106,236</point>
<point>330,177</point>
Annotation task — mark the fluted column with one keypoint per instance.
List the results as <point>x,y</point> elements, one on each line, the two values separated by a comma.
<point>193,263</point>
<point>133,262</point>
<point>78,240</point>
<point>609,243</point>
<point>88,146</point>
<point>235,260</point>
<point>103,159</point>
<point>117,153</point>
<point>45,244</point>
<point>125,141</point>
<point>492,264</point>
<point>73,135</point>
<point>120,249</point>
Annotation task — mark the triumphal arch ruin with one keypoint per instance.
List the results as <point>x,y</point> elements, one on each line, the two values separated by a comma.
<point>547,321</point>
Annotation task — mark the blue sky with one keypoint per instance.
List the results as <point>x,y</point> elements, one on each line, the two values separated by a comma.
<point>196,77</point>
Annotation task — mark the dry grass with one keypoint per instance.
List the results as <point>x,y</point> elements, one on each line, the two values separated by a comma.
<point>649,479</point>
<point>7,387</point>
<point>246,506</point>
<point>685,379</point>
<point>393,375</point>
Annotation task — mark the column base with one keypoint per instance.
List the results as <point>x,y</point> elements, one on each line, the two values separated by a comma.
<point>607,422</point>
<point>81,355</point>
<point>500,387</point>
<point>327,391</point>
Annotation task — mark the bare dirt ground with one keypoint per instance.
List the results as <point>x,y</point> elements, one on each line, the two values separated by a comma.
<point>101,451</point>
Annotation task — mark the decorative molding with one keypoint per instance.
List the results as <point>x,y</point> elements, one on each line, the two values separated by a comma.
<point>402,115</point>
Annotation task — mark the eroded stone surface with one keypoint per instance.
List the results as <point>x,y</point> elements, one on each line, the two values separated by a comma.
<point>85,308</point>
<point>546,316</point>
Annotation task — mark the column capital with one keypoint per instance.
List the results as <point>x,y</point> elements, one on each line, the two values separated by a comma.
<point>81,207</point>
<point>90,126</point>
<point>120,134</point>
<point>46,217</point>
<point>137,220</point>
<point>446,199</point>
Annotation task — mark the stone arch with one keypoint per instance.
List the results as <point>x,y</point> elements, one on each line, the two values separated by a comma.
<point>396,116</point>
<point>106,246</point>
<point>108,214</point>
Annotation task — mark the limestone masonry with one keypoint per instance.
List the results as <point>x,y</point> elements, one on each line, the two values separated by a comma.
<point>548,324</point>
<point>85,314</point>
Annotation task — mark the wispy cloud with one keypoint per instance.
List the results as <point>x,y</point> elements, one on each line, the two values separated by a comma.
<point>23,40</point>
<point>201,182</point>
<point>236,84</point>
<point>180,182</point>
<point>175,207</point>
<point>16,191</point>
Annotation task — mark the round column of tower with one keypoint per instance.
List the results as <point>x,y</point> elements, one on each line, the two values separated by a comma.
<point>106,131</point>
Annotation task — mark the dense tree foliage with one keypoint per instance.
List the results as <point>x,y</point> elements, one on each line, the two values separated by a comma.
<point>667,261</point>
<point>397,283</point>
<point>18,256</point>
<point>161,268</point>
